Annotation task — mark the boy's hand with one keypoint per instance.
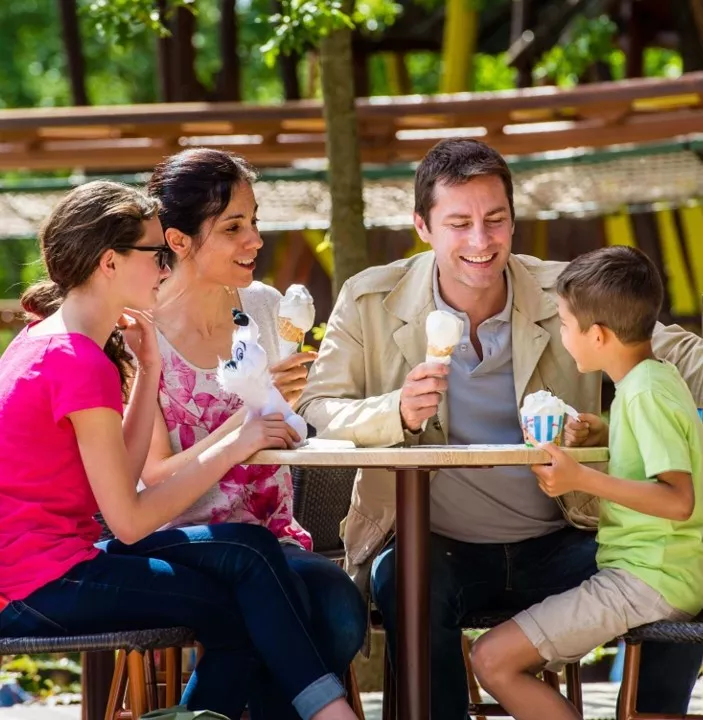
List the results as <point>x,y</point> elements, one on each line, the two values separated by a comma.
<point>588,431</point>
<point>561,476</point>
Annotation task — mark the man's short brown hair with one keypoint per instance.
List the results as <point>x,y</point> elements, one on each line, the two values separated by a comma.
<point>618,287</point>
<point>454,162</point>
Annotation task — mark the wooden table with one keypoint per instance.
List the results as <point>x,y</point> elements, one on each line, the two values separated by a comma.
<point>412,467</point>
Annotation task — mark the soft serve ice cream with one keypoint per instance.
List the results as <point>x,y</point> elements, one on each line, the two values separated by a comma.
<point>443,331</point>
<point>542,416</point>
<point>296,315</point>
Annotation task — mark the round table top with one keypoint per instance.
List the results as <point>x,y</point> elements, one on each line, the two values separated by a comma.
<point>330,454</point>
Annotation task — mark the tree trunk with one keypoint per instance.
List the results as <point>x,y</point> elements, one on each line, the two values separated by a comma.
<point>348,233</point>
<point>186,84</point>
<point>288,65</point>
<point>74,50</point>
<point>229,85</point>
<point>165,53</point>
<point>688,17</point>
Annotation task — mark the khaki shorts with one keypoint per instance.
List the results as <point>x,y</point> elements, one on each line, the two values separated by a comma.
<point>563,628</point>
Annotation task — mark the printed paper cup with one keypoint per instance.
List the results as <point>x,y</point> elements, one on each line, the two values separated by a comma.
<point>543,428</point>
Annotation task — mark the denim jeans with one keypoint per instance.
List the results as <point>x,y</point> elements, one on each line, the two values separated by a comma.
<point>237,594</point>
<point>333,605</point>
<point>467,578</point>
<point>338,618</point>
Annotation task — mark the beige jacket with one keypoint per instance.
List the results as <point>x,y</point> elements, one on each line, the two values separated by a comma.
<point>376,334</point>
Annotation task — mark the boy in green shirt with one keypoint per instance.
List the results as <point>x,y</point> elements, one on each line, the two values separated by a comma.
<point>650,534</point>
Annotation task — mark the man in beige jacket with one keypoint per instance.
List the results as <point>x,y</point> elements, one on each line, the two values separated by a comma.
<point>497,542</point>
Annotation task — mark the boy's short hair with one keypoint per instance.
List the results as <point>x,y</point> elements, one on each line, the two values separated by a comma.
<point>618,287</point>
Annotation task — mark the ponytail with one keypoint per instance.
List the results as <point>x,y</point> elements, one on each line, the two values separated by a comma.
<point>45,298</point>
<point>41,300</point>
<point>116,350</point>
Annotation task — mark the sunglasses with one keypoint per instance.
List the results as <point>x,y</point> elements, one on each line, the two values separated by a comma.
<point>163,252</point>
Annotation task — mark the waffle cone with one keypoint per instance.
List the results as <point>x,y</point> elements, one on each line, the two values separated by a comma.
<point>439,352</point>
<point>288,331</point>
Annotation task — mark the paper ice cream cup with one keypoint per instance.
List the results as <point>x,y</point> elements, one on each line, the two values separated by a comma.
<point>543,428</point>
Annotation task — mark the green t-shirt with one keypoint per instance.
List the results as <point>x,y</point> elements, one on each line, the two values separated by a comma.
<point>655,428</point>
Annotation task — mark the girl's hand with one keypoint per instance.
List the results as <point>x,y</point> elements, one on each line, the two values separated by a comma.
<point>140,334</point>
<point>291,375</point>
<point>267,432</point>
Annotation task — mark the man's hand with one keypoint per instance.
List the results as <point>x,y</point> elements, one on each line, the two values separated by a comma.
<point>562,476</point>
<point>588,431</point>
<point>421,393</point>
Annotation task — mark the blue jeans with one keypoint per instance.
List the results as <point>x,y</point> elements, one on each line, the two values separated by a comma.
<point>237,594</point>
<point>338,617</point>
<point>468,578</point>
<point>333,605</point>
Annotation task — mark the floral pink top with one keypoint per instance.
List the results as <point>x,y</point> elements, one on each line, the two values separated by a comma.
<point>193,406</point>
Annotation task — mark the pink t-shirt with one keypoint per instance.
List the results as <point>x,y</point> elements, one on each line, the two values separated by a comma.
<point>47,507</point>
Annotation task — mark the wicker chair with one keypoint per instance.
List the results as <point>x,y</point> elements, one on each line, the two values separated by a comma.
<point>321,498</point>
<point>665,631</point>
<point>135,661</point>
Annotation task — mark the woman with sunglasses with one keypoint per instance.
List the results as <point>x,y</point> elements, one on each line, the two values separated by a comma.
<point>209,215</point>
<point>67,450</point>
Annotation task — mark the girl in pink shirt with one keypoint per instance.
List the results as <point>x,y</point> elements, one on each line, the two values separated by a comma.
<point>67,451</point>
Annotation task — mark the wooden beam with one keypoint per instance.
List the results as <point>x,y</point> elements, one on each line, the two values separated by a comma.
<point>390,129</point>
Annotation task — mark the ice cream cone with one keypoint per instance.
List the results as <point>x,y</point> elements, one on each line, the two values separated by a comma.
<point>289,332</point>
<point>443,331</point>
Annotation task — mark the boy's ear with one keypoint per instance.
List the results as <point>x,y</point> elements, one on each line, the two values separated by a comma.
<point>600,334</point>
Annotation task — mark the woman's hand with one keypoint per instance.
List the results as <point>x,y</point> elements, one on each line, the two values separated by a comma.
<point>262,433</point>
<point>291,375</point>
<point>140,334</point>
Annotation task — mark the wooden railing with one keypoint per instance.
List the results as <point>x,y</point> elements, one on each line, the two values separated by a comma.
<point>397,129</point>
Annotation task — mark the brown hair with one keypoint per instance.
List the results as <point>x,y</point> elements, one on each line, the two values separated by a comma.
<point>196,185</point>
<point>91,219</point>
<point>454,162</point>
<point>618,287</point>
